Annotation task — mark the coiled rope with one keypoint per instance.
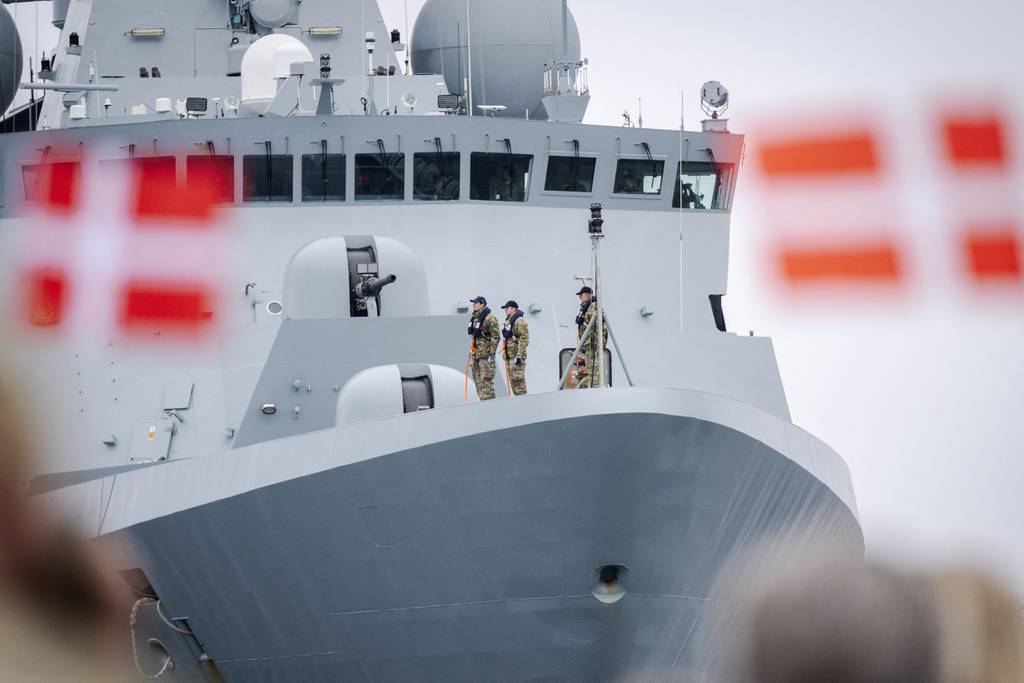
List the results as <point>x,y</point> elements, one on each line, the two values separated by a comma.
<point>133,620</point>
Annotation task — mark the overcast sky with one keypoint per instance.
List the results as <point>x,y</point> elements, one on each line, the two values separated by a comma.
<point>924,398</point>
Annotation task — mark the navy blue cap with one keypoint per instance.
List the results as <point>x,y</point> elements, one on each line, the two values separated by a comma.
<point>510,304</point>
<point>479,300</point>
<point>584,290</point>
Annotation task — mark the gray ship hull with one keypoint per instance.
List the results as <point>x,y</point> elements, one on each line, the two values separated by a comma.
<point>472,558</point>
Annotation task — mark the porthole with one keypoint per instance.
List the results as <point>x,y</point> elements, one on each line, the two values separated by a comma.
<point>274,307</point>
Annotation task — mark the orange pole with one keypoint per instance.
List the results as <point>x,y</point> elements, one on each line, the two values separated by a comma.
<point>469,359</point>
<point>508,381</point>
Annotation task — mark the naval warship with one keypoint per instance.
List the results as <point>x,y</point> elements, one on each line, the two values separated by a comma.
<point>321,497</point>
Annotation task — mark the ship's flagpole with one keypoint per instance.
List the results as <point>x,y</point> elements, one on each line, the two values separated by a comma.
<point>596,235</point>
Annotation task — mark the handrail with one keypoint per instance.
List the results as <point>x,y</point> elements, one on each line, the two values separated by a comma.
<point>568,367</point>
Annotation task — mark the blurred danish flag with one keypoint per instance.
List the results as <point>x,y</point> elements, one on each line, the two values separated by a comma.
<point>123,251</point>
<point>911,200</point>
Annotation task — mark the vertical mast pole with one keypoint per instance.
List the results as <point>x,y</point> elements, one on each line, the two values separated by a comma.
<point>565,45</point>
<point>565,30</point>
<point>469,58</point>
<point>596,234</point>
<point>596,240</point>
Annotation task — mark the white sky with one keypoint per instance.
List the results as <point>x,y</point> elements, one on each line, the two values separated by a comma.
<point>924,399</point>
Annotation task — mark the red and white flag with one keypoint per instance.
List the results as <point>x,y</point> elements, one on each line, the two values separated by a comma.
<point>889,202</point>
<point>120,251</point>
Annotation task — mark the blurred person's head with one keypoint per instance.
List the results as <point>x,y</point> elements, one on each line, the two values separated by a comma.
<point>58,609</point>
<point>981,629</point>
<point>840,621</point>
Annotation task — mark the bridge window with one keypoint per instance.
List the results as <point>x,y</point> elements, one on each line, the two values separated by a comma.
<point>267,178</point>
<point>700,185</point>
<point>53,178</point>
<point>323,177</point>
<point>639,176</point>
<point>150,177</point>
<point>150,168</point>
<point>380,177</point>
<point>435,176</point>
<point>570,174</point>
<point>215,173</point>
<point>501,177</point>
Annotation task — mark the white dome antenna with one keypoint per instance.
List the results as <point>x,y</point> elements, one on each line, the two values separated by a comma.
<point>265,64</point>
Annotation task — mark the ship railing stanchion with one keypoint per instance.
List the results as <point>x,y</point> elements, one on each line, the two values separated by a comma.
<point>618,352</point>
<point>575,353</point>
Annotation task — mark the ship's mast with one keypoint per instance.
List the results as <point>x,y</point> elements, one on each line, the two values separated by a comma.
<point>596,235</point>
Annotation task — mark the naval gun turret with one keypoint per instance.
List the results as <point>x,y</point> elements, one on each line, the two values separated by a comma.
<point>340,277</point>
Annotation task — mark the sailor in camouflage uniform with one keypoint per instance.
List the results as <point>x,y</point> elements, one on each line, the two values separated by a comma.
<point>517,337</point>
<point>485,331</point>
<point>589,374</point>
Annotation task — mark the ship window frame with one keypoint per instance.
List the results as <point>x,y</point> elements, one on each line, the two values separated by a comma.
<point>155,160</point>
<point>720,195</point>
<point>37,199</point>
<point>572,193</point>
<point>382,164</point>
<point>226,200</point>
<point>527,182</point>
<point>649,196</point>
<point>270,198</point>
<point>344,178</point>
<point>457,176</point>
<point>147,174</point>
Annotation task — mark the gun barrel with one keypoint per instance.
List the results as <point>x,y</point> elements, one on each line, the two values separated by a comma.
<point>374,285</point>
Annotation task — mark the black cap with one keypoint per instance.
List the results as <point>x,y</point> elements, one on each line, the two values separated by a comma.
<point>510,304</point>
<point>479,300</point>
<point>584,290</point>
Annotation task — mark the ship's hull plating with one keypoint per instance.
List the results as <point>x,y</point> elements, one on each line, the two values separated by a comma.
<point>471,559</point>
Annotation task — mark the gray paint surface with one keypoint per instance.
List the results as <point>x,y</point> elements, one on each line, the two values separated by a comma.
<point>322,354</point>
<point>470,559</point>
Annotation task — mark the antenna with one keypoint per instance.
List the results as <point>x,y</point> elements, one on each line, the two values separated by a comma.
<point>565,30</point>
<point>469,59</point>
<point>408,39</point>
<point>639,112</point>
<point>682,109</point>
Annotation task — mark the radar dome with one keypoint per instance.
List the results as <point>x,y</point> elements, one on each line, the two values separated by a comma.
<point>10,59</point>
<point>512,41</point>
<point>264,63</point>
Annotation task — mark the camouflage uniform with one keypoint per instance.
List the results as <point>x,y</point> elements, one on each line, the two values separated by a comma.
<point>589,375</point>
<point>517,338</point>
<point>486,332</point>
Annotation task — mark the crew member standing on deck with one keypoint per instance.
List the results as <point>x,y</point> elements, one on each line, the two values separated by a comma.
<point>593,353</point>
<point>517,337</point>
<point>485,331</point>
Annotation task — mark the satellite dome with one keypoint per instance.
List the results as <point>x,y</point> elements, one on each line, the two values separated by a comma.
<point>512,41</point>
<point>264,63</point>
<point>10,59</point>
